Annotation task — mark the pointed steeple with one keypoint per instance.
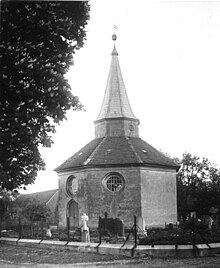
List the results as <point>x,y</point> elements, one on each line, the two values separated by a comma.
<point>115,105</point>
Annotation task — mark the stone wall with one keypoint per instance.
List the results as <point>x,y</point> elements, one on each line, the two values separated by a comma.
<point>158,196</point>
<point>148,192</point>
<point>117,127</point>
<point>79,196</point>
<point>94,199</point>
<point>124,204</point>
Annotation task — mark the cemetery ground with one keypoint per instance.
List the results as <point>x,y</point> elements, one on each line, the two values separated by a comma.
<point>15,256</point>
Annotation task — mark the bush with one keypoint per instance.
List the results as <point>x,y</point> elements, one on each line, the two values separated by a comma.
<point>178,236</point>
<point>74,234</point>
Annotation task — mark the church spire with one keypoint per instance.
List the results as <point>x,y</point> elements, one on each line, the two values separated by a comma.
<point>115,105</point>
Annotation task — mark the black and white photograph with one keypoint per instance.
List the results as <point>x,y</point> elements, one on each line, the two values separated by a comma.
<point>110,133</point>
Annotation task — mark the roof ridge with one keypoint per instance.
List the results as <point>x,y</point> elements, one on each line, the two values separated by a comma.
<point>52,196</point>
<point>92,154</point>
<point>133,149</point>
<point>38,192</point>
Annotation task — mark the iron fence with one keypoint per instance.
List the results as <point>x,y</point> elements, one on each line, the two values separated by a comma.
<point>190,232</point>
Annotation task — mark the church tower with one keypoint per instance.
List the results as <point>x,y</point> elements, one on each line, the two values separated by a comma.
<point>116,117</point>
<point>117,172</point>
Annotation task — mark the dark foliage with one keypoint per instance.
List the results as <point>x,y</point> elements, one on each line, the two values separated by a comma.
<point>198,186</point>
<point>6,199</point>
<point>38,40</point>
<point>27,210</point>
<point>178,236</point>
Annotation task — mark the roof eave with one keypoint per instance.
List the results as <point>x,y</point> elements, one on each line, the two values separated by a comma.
<point>81,167</point>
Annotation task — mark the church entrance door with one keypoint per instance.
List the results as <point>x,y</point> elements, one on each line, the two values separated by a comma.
<point>73,213</point>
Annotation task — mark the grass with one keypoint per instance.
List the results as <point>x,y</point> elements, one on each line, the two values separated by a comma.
<point>15,256</point>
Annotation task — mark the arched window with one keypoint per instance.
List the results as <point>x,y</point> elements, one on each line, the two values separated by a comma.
<point>114,182</point>
<point>71,185</point>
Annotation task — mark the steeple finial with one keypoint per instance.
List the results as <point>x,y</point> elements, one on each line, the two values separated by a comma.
<point>114,38</point>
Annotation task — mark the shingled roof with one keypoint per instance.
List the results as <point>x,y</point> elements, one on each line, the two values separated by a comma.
<point>117,151</point>
<point>41,197</point>
<point>115,102</point>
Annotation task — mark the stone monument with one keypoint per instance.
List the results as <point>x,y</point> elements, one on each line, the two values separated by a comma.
<point>85,237</point>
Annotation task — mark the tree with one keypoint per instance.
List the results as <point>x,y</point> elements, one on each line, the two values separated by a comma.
<point>28,210</point>
<point>198,186</point>
<point>6,198</point>
<point>35,211</point>
<point>38,40</point>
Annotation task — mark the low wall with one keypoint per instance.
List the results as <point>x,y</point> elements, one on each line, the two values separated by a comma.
<point>159,251</point>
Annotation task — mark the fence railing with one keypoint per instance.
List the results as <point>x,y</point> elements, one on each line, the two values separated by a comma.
<point>192,232</point>
<point>22,229</point>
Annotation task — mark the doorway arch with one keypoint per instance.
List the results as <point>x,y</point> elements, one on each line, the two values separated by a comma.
<point>73,213</point>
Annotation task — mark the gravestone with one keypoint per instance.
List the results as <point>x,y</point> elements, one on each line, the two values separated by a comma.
<point>141,223</point>
<point>114,226</point>
<point>48,232</point>
<point>85,237</point>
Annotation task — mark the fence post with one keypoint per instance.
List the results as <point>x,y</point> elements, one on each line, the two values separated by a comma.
<point>193,231</point>
<point>100,236</point>
<point>42,229</point>
<point>1,224</point>
<point>135,231</point>
<point>32,231</point>
<point>100,231</point>
<point>19,228</point>
<point>68,228</point>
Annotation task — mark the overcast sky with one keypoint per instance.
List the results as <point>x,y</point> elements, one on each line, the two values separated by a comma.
<point>169,53</point>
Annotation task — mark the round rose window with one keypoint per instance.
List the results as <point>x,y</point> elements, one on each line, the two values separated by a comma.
<point>114,182</point>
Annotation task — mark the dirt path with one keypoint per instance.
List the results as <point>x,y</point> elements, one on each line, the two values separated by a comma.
<point>14,257</point>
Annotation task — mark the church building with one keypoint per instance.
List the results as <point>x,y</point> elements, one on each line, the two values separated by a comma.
<point>117,172</point>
